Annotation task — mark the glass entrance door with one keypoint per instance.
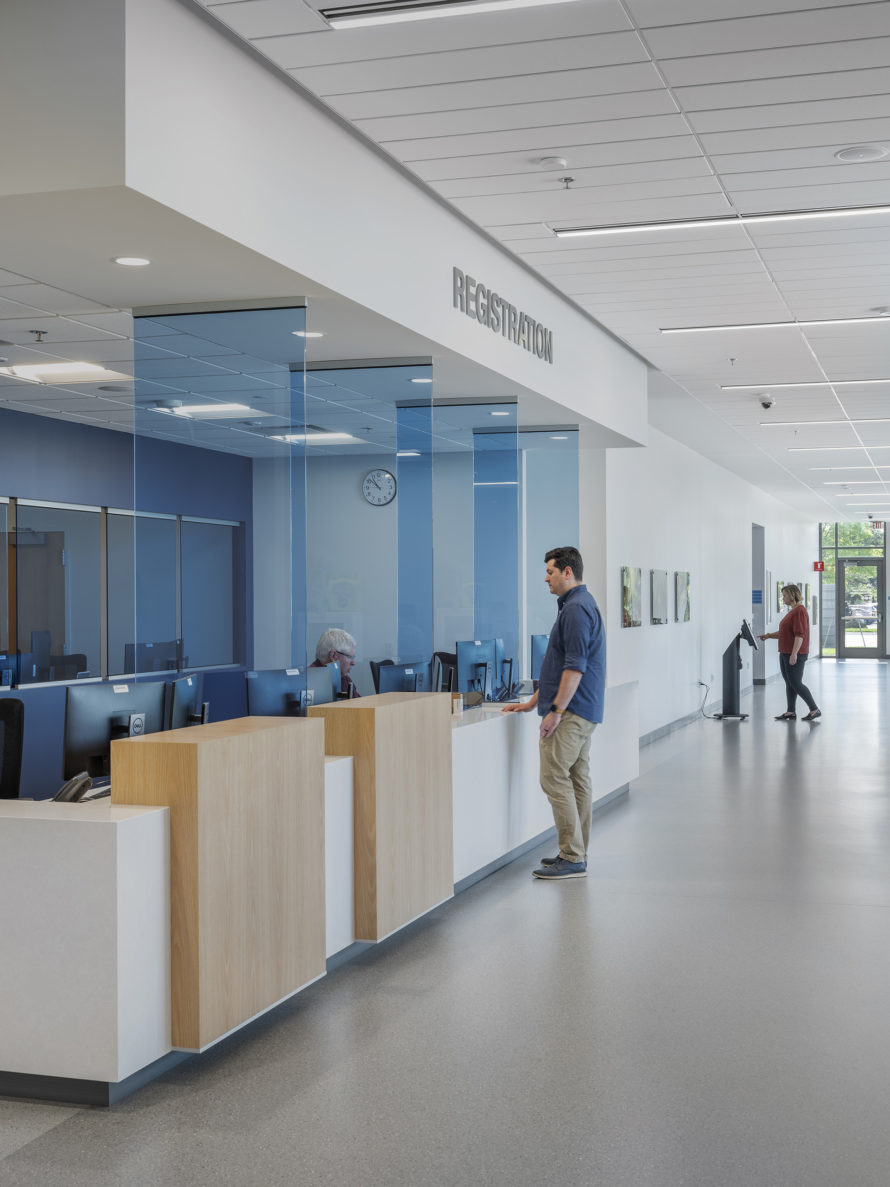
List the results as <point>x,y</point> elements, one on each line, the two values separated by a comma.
<point>860,606</point>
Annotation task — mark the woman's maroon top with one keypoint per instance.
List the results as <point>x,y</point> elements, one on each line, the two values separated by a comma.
<point>795,622</point>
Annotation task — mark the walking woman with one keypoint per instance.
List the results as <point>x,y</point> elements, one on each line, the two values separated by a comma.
<point>794,646</point>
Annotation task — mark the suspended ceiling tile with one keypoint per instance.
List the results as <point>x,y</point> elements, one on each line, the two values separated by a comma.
<point>774,63</point>
<point>789,30</point>
<point>534,180</point>
<point>494,61</point>
<point>665,148</point>
<point>611,81</point>
<point>536,141</point>
<point>793,88</point>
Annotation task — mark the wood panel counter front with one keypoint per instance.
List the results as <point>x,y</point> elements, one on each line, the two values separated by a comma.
<point>246,801</point>
<point>401,746</point>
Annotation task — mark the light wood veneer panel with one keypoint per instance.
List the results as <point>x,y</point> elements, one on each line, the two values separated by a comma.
<point>401,747</point>
<point>246,803</point>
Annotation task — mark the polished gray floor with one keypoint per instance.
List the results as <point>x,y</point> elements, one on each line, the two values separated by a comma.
<point>710,1008</point>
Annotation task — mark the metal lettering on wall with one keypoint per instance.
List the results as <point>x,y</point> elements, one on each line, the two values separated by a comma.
<point>491,309</point>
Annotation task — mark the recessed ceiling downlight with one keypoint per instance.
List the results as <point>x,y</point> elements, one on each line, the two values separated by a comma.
<point>132,261</point>
<point>859,153</point>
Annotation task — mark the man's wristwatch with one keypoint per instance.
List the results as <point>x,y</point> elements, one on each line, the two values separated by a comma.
<point>553,709</point>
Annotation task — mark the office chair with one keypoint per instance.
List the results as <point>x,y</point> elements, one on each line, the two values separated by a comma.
<point>12,734</point>
<point>375,666</point>
<point>444,670</point>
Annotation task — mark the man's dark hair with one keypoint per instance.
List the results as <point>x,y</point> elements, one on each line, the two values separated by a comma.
<point>567,558</point>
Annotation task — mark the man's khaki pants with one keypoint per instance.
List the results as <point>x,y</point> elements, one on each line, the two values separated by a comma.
<point>565,778</point>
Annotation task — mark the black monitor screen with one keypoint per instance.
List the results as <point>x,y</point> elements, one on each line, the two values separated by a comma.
<point>96,714</point>
<point>747,634</point>
<point>413,677</point>
<point>185,704</point>
<point>476,666</point>
<point>277,693</point>
<point>539,647</point>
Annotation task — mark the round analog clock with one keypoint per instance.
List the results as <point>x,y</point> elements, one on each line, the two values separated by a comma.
<point>379,487</point>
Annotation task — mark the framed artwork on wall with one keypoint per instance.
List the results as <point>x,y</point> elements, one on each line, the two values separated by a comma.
<point>658,596</point>
<point>806,596</point>
<point>631,596</point>
<point>779,585</point>
<point>681,597</point>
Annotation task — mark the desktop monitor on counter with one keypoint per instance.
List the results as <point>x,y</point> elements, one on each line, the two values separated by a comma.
<point>539,648</point>
<point>476,666</point>
<point>97,714</point>
<point>186,707</point>
<point>413,677</point>
<point>277,693</point>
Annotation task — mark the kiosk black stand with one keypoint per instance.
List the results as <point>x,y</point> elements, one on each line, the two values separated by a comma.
<point>732,663</point>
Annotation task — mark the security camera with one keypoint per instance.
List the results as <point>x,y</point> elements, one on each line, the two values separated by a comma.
<point>766,400</point>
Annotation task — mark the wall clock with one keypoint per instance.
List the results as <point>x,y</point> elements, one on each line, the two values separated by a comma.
<point>379,487</point>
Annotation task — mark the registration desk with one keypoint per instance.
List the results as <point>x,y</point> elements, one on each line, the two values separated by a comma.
<point>236,857</point>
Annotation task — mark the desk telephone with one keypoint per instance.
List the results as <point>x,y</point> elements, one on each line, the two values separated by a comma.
<point>80,789</point>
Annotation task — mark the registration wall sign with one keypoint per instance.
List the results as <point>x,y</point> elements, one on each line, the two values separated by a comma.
<point>490,309</point>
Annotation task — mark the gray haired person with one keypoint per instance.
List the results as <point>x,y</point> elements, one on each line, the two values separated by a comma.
<point>337,647</point>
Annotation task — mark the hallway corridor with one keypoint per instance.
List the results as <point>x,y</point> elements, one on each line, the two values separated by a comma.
<point>709,1008</point>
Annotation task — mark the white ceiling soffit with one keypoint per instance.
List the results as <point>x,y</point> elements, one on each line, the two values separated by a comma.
<point>662,110</point>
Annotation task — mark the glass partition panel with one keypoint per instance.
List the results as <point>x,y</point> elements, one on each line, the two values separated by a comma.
<point>58,603</point>
<point>4,591</point>
<point>143,590</point>
<point>220,448</point>
<point>476,504</point>
<point>549,464</point>
<point>369,526</point>
<point>209,579</point>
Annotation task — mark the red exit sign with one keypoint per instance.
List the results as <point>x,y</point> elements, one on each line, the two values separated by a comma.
<point>818,566</point>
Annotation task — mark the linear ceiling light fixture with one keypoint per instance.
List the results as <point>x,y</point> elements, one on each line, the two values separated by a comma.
<point>73,372</point>
<point>392,11</point>
<point>834,448</point>
<point>753,387</point>
<point>317,438</point>
<point>778,325</point>
<point>729,220</point>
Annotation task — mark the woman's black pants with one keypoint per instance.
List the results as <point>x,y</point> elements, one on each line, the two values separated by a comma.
<point>792,674</point>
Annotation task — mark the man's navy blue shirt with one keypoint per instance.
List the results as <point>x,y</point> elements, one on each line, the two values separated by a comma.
<point>577,643</point>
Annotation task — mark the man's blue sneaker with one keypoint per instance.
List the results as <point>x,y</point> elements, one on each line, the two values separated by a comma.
<point>550,861</point>
<point>560,868</point>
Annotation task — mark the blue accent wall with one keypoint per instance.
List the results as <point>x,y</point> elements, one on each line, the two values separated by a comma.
<point>415,526</point>
<point>41,458</point>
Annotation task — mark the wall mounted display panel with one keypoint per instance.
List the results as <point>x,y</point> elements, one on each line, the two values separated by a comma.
<point>658,595</point>
<point>631,597</point>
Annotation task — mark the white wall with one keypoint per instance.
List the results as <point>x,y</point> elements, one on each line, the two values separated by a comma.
<point>669,508</point>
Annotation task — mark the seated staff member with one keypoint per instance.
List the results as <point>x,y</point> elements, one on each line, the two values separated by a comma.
<point>337,647</point>
<point>794,646</point>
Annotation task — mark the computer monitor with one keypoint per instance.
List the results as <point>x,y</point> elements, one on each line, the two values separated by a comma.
<point>539,647</point>
<point>413,677</point>
<point>96,714</point>
<point>476,661</point>
<point>503,667</point>
<point>320,685</point>
<point>279,692</point>
<point>165,656</point>
<point>186,708</point>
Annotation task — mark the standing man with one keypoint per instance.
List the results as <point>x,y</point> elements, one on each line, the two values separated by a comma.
<point>570,704</point>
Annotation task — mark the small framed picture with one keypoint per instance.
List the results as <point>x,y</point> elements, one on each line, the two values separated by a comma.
<point>681,597</point>
<point>631,596</point>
